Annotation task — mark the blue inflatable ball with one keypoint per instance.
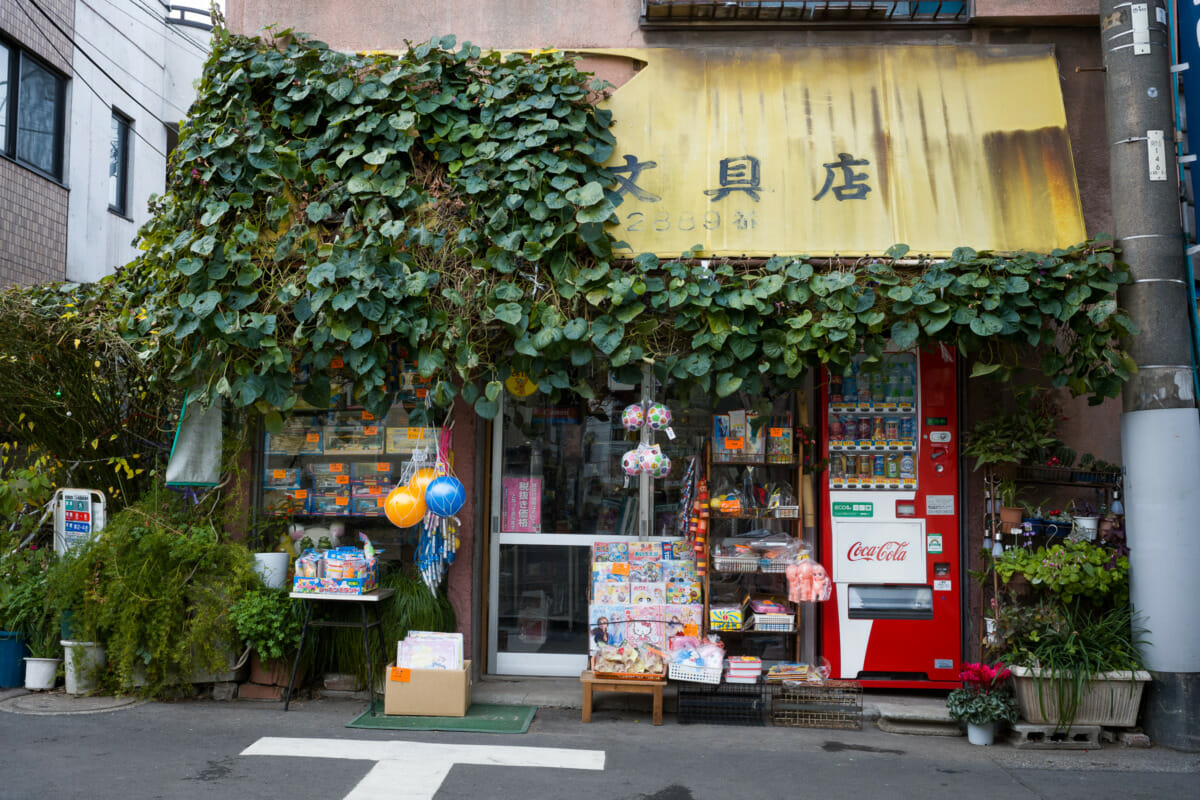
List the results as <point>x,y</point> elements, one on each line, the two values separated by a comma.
<point>444,496</point>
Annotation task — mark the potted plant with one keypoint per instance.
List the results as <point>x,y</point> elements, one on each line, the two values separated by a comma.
<point>983,700</point>
<point>25,607</point>
<point>269,623</point>
<point>1013,438</point>
<point>1011,512</point>
<point>1074,666</point>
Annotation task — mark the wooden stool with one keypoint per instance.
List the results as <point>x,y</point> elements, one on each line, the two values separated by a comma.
<point>593,684</point>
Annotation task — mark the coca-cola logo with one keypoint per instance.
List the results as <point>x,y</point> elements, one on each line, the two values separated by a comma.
<point>888,551</point>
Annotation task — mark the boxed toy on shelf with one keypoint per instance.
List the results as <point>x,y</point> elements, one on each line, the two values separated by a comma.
<point>341,570</point>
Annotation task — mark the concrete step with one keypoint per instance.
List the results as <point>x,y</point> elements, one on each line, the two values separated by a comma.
<point>918,716</point>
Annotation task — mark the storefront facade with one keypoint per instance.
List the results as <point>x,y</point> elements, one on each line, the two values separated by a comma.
<point>748,142</point>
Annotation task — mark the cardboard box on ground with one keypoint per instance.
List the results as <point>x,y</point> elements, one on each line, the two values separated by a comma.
<point>427,692</point>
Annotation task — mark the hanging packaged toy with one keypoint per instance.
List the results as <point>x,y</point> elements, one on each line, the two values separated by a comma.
<point>658,417</point>
<point>632,417</point>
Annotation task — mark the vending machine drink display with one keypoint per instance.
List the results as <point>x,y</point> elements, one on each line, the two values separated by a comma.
<point>890,531</point>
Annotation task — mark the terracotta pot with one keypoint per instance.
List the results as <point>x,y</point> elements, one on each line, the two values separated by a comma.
<point>271,673</point>
<point>1010,517</point>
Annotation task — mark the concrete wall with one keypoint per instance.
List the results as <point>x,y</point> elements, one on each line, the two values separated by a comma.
<point>136,63</point>
<point>33,208</point>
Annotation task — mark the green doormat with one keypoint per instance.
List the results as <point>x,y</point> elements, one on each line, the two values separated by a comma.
<point>480,718</point>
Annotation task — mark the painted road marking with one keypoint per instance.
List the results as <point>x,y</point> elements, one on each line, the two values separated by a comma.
<point>415,770</point>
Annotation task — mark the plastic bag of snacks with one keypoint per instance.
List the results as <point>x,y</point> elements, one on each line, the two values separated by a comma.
<point>629,660</point>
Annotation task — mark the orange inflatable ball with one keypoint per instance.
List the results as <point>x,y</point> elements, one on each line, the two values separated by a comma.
<point>404,507</point>
<point>420,479</point>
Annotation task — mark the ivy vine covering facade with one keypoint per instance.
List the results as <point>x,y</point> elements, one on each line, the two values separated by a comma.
<point>325,210</point>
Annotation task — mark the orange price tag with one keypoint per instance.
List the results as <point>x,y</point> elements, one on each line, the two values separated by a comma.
<point>691,630</point>
<point>312,437</point>
<point>734,444</point>
<point>777,433</point>
<point>383,466</point>
<point>337,362</point>
<point>368,415</point>
<point>620,569</point>
<point>336,467</point>
<point>370,430</point>
<point>381,502</point>
<point>341,501</point>
<point>415,433</point>
<point>400,674</point>
<point>374,490</point>
<point>300,494</point>
<point>422,393</point>
<point>731,506</point>
<point>343,479</point>
<point>279,474</point>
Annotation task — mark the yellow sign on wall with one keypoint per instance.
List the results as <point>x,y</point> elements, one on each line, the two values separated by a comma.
<point>843,150</point>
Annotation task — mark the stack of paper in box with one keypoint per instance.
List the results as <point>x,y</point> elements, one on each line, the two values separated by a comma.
<point>430,650</point>
<point>743,669</point>
<point>789,671</point>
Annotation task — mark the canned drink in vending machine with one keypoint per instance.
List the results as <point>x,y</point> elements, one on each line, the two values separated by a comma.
<point>837,467</point>
<point>864,427</point>
<point>907,429</point>
<point>866,466</point>
<point>891,467</point>
<point>891,429</point>
<point>877,466</point>
<point>877,429</point>
<point>836,429</point>
<point>907,466</point>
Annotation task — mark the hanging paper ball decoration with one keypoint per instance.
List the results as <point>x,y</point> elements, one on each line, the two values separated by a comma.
<point>631,463</point>
<point>658,416</point>
<point>420,479</point>
<point>664,469</point>
<point>632,417</point>
<point>444,496</point>
<point>652,459</point>
<point>404,508</point>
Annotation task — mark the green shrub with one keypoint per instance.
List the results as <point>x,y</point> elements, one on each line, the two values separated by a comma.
<point>269,621</point>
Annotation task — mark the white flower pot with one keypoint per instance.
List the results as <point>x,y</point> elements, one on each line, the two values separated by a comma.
<point>84,660</point>
<point>981,734</point>
<point>41,673</point>
<point>272,568</point>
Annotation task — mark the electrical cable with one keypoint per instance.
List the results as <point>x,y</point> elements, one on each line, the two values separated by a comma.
<point>93,61</point>
<point>84,81</point>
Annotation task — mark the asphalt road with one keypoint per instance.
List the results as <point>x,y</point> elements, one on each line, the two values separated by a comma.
<point>194,750</point>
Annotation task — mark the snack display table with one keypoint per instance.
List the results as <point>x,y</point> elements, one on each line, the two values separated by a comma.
<point>592,683</point>
<point>371,599</point>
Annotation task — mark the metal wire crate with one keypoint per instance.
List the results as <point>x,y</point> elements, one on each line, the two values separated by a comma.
<point>832,704</point>
<point>725,704</point>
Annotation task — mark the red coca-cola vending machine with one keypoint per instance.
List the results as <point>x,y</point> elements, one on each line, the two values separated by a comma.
<point>890,535</point>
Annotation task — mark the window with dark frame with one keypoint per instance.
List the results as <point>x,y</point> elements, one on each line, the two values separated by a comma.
<point>32,111</point>
<point>118,165</point>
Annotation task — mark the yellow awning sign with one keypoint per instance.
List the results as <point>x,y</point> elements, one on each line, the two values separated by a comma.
<point>843,150</point>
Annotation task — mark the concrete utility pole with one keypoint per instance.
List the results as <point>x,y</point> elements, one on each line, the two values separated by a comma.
<point>1160,426</point>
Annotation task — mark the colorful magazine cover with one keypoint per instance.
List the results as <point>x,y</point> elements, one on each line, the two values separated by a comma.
<point>611,593</point>
<point>647,594</point>
<point>430,650</point>
<point>610,551</point>
<point>606,625</point>
<point>644,625</point>
<point>678,593</point>
<point>683,619</point>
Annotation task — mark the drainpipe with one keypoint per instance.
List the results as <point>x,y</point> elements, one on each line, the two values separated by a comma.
<point>1160,427</point>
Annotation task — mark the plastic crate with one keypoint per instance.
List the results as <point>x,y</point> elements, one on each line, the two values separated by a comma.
<point>779,623</point>
<point>832,704</point>
<point>686,672</point>
<point>724,704</point>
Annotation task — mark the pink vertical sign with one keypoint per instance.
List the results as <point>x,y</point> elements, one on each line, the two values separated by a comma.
<point>522,505</point>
